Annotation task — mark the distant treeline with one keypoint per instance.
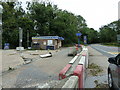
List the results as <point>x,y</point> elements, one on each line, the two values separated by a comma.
<point>108,33</point>
<point>44,18</point>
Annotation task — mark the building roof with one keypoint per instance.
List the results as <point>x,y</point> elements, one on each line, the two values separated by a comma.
<point>48,37</point>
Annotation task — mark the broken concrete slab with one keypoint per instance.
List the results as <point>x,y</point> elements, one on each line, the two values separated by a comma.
<point>46,55</point>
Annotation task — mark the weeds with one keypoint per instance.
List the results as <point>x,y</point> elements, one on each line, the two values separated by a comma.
<point>94,69</point>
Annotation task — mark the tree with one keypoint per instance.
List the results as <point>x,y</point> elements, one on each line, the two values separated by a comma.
<point>9,24</point>
<point>14,17</point>
<point>107,34</point>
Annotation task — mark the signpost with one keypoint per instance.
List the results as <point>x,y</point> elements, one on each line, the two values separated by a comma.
<point>20,37</point>
<point>78,35</point>
<point>85,39</point>
<point>6,46</point>
<point>20,40</point>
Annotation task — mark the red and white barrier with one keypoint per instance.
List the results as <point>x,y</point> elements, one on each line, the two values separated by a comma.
<point>80,67</point>
<point>63,71</point>
<point>79,72</point>
<point>83,63</point>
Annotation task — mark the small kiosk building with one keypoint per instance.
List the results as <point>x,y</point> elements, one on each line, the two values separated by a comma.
<point>47,42</point>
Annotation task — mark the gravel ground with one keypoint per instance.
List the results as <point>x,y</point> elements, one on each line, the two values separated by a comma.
<point>38,72</point>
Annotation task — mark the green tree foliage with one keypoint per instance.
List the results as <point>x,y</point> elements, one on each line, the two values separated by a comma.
<point>13,18</point>
<point>109,32</point>
<point>10,32</point>
<point>42,19</point>
<point>49,20</point>
<point>92,36</point>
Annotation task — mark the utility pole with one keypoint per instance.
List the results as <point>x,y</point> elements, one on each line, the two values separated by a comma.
<point>20,37</point>
<point>1,11</point>
<point>20,48</point>
<point>28,38</point>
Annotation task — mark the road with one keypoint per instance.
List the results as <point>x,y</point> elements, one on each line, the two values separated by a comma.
<point>99,54</point>
<point>37,72</point>
<point>108,51</point>
<point>46,69</point>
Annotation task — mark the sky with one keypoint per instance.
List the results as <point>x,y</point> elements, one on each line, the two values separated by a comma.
<point>97,13</point>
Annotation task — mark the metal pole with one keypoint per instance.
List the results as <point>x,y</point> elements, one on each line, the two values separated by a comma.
<point>20,37</point>
<point>27,38</point>
<point>78,41</point>
<point>1,11</point>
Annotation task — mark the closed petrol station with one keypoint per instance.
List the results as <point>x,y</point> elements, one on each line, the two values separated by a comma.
<point>47,42</point>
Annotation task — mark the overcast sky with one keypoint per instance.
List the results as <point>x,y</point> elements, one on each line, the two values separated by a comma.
<point>96,12</point>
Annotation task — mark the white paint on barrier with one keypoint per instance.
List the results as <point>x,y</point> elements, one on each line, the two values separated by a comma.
<point>85,49</point>
<point>86,58</point>
<point>82,60</point>
<point>73,60</point>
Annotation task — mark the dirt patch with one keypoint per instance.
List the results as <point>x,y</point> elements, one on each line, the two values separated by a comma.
<point>94,69</point>
<point>100,85</point>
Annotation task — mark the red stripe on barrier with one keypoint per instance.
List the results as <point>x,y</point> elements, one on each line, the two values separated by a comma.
<point>79,72</point>
<point>63,71</point>
<point>78,55</point>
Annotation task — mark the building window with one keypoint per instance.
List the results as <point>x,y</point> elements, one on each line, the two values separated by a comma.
<point>44,42</point>
<point>50,42</point>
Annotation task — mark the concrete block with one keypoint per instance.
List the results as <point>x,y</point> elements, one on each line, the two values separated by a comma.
<point>72,82</point>
<point>46,55</point>
<point>19,48</point>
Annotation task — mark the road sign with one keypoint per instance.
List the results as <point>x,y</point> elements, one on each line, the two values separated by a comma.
<point>85,39</point>
<point>78,34</point>
<point>6,46</point>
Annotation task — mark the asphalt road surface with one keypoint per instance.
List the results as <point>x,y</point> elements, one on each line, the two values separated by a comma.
<point>108,51</point>
<point>46,69</point>
<point>99,54</point>
<point>37,72</point>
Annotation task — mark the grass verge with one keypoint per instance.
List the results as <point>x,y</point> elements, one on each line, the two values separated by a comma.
<point>111,44</point>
